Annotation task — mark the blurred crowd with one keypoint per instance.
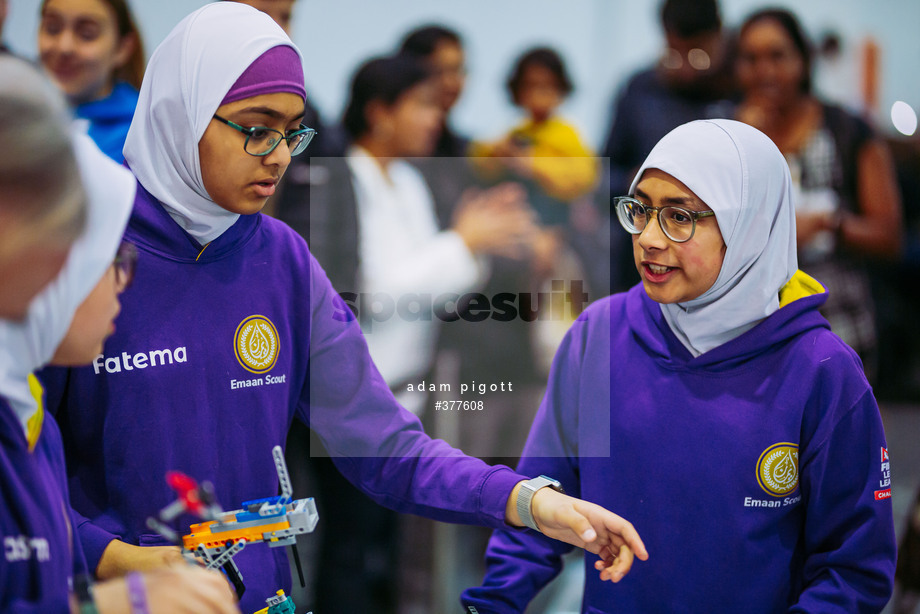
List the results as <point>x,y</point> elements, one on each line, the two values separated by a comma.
<point>422,228</point>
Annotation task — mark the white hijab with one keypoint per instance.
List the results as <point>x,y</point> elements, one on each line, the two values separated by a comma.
<point>28,345</point>
<point>186,79</point>
<point>741,175</point>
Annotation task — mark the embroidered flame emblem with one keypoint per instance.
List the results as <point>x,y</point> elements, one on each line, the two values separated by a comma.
<point>259,344</point>
<point>256,344</point>
<point>778,469</point>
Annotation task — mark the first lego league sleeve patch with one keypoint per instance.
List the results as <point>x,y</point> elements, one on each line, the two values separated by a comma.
<point>885,483</point>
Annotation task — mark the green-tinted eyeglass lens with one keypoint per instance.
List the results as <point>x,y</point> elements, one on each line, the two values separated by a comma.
<point>262,141</point>
<point>300,139</point>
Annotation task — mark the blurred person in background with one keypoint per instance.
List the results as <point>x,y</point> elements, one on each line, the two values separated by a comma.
<point>441,49</point>
<point>482,351</point>
<point>92,50</point>
<point>400,247</point>
<point>898,375</point>
<point>63,208</point>
<point>389,240</point>
<point>848,205</point>
<point>487,350</point>
<point>691,80</point>
<point>548,156</point>
<point>544,151</point>
<point>445,168</point>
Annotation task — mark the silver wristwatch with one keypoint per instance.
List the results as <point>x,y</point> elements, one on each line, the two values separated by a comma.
<point>525,497</point>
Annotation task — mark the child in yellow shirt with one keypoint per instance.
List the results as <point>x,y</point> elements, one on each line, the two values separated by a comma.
<point>544,152</point>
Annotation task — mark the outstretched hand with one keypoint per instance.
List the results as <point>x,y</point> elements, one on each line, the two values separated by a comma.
<point>119,558</point>
<point>586,525</point>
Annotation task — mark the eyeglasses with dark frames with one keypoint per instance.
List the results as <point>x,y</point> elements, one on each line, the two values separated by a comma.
<point>261,141</point>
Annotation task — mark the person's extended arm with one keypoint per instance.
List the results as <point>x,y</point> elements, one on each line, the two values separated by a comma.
<point>382,449</point>
<point>877,228</point>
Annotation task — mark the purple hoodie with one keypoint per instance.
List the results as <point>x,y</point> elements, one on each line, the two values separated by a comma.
<point>208,368</point>
<point>756,474</point>
<point>39,555</point>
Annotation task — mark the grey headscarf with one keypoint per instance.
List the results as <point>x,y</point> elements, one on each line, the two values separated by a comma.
<point>741,175</point>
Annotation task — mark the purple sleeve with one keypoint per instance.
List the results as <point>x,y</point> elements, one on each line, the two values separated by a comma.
<point>378,445</point>
<point>849,532</point>
<point>520,563</point>
<point>92,539</point>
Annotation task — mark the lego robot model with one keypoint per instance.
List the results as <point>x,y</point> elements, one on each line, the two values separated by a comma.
<point>279,603</point>
<point>276,521</point>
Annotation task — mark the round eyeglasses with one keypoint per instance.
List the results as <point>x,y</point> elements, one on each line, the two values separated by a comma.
<point>261,141</point>
<point>677,223</point>
<point>125,264</point>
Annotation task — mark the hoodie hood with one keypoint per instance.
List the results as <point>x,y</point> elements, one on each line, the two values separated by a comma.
<point>799,300</point>
<point>153,229</point>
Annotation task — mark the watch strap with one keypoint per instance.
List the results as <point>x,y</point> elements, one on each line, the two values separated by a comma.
<point>525,498</point>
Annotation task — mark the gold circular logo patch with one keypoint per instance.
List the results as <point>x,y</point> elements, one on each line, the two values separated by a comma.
<point>256,344</point>
<point>778,469</point>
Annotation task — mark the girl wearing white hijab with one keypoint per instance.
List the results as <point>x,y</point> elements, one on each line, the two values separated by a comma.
<point>231,331</point>
<point>40,555</point>
<point>744,440</point>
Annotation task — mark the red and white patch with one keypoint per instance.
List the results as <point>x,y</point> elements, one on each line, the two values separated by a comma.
<point>884,484</point>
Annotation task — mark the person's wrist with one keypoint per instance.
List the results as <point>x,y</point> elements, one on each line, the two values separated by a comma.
<point>525,495</point>
<point>137,593</point>
<point>111,563</point>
